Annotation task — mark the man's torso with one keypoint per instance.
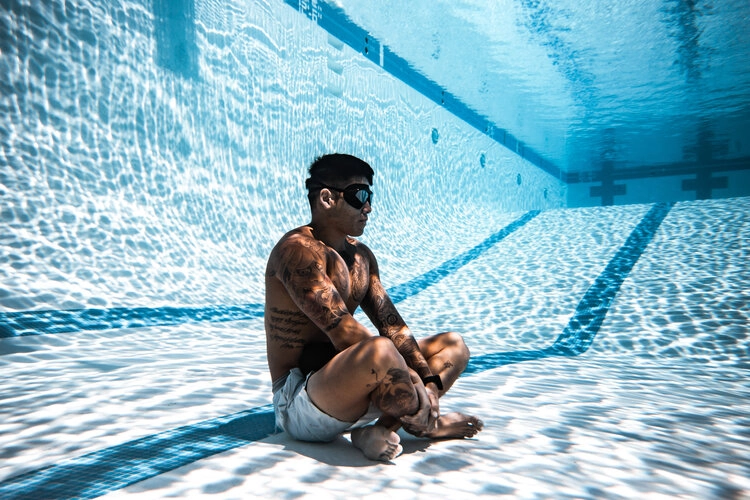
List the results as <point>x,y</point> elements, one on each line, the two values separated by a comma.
<point>292,339</point>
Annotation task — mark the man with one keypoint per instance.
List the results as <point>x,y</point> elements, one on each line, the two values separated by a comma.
<point>330,374</point>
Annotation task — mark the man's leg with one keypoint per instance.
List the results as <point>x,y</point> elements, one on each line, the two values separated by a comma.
<point>370,371</point>
<point>448,356</point>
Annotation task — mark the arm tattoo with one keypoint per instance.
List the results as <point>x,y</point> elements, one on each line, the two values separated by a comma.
<point>409,349</point>
<point>302,273</point>
<point>379,307</point>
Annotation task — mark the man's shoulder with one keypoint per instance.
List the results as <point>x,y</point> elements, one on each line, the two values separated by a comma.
<point>301,236</point>
<point>297,242</point>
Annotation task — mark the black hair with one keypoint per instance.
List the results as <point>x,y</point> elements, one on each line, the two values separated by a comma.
<point>334,168</point>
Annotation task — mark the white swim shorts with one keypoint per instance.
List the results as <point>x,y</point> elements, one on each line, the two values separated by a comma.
<point>299,416</point>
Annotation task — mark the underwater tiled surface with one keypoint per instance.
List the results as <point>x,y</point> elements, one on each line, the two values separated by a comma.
<point>629,410</point>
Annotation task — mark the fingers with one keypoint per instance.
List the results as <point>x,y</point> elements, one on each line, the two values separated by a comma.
<point>434,408</point>
<point>425,419</point>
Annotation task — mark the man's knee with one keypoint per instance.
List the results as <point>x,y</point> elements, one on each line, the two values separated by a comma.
<point>455,342</point>
<point>380,351</point>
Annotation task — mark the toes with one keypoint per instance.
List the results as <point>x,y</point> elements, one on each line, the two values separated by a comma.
<point>391,453</point>
<point>474,426</point>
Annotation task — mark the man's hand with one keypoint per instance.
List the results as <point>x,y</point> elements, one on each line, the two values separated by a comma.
<point>424,421</point>
<point>432,393</point>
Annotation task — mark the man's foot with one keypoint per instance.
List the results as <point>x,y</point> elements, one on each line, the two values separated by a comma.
<point>453,425</point>
<point>377,442</point>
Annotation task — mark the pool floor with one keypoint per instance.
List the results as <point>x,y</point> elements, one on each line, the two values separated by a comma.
<point>604,366</point>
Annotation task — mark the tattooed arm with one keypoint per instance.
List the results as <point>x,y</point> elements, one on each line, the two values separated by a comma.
<point>300,265</point>
<point>383,314</point>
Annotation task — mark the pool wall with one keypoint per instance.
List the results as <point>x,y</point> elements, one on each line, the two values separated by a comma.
<point>154,152</point>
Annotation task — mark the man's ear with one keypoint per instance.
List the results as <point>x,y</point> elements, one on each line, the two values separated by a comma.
<point>327,200</point>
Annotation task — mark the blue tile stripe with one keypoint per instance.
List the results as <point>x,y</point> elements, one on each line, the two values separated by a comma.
<point>589,315</point>
<point>416,285</point>
<point>103,471</point>
<point>14,324</point>
<point>336,22</point>
<point>107,470</point>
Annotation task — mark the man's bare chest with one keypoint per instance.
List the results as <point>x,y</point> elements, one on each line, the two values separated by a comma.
<point>350,278</point>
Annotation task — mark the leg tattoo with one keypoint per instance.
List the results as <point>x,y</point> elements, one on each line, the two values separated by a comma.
<point>396,395</point>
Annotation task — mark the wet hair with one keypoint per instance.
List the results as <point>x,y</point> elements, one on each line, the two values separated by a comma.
<point>332,170</point>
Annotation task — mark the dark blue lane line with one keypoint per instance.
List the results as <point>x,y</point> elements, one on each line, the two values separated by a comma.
<point>420,283</point>
<point>107,470</point>
<point>103,471</point>
<point>15,324</point>
<point>589,315</point>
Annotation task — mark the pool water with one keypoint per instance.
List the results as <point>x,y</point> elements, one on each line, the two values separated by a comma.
<point>151,158</point>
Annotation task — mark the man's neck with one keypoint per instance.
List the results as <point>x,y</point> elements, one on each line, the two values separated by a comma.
<point>331,237</point>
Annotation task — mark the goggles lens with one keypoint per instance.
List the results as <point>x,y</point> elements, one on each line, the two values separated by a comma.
<point>355,195</point>
<point>361,194</point>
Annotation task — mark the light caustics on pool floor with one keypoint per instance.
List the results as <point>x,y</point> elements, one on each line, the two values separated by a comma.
<point>630,322</point>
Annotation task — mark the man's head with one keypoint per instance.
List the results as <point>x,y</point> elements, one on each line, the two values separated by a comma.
<point>334,172</point>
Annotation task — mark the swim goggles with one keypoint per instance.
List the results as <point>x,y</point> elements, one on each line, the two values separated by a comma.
<point>355,195</point>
